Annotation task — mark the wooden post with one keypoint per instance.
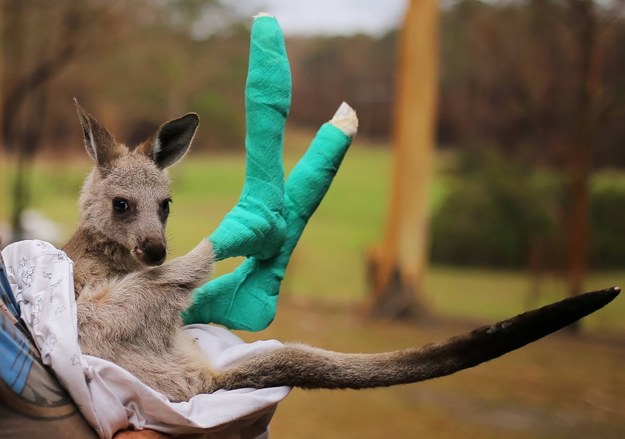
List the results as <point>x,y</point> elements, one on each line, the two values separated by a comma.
<point>397,264</point>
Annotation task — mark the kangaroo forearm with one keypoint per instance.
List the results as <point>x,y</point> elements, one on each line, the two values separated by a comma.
<point>188,271</point>
<point>151,297</point>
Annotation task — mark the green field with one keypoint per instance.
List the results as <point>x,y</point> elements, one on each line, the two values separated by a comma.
<point>328,264</point>
<point>560,387</point>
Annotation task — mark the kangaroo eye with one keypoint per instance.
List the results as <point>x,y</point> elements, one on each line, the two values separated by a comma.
<point>120,205</point>
<point>165,206</point>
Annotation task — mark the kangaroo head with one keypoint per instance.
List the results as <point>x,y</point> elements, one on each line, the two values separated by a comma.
<point>126,196</point>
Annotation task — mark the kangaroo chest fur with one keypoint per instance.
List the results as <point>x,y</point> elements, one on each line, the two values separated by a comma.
<point>134,321</point>
<point>97,259</point>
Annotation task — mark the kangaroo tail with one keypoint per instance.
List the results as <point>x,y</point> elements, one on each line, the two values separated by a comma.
<point>312,368</point>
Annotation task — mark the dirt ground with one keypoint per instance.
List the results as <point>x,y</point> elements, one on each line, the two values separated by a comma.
<point>559,387</point>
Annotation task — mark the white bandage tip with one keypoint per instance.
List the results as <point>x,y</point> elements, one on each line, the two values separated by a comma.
<point>345,119</point>
<point>262,14</point>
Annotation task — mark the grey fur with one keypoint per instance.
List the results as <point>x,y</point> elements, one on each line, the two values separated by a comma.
<point>129,309</point>
<point>107,245</point>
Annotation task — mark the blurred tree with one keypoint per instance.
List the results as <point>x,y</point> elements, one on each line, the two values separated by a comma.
<point>583,134</point>
<point>538,79</point>
<point>398,264</point>
<point>356,69</point>
<point>35,59</point>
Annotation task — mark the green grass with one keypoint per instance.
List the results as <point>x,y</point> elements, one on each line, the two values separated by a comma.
<point>491,295</point>
<point>329,262</point>
<point>55,188</point>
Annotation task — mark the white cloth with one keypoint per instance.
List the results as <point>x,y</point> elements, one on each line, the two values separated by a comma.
<point>111,398</point>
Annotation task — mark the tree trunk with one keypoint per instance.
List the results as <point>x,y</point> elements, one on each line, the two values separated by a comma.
<point>397,264</point>
<point>582,141</point>
<point>23,104</point>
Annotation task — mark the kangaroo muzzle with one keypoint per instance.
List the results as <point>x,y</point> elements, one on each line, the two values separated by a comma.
<point>152,252</point>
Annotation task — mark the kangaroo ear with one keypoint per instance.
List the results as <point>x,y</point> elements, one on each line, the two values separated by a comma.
<point>99,143</point>
<point>172,140</point>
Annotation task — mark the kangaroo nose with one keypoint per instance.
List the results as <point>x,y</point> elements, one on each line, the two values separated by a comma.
<point>154,252</point>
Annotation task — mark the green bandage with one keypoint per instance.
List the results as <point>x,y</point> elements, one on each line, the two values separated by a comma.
<point>255,226</point>
<point>247,298</point>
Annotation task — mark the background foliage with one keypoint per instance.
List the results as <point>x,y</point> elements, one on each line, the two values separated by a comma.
<point>510,100</point>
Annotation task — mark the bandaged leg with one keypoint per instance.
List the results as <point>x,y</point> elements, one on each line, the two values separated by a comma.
<point>247,298</point>
<point>255,226</point>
